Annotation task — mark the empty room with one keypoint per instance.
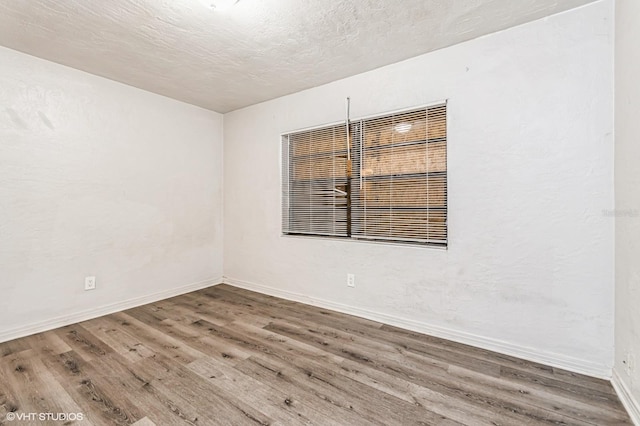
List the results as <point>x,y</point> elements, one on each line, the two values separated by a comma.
<point>321,212</point>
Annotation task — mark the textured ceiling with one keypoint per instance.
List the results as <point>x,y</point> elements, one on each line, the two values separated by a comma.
<point>255,51</point>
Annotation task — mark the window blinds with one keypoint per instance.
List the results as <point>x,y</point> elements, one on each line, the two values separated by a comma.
<point>400,167</point>
<point>315,182</point>
<point>398,191</point>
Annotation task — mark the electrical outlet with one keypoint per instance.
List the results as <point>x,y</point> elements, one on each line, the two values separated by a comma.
<point>351,280</point>
<point>90,283</point>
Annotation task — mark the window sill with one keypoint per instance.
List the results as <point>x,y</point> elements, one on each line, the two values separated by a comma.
<point>413,245</point>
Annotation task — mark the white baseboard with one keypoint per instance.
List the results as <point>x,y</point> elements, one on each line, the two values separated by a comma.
<point>575,365</point>
<point>88,314</point>
<point>625,395</point>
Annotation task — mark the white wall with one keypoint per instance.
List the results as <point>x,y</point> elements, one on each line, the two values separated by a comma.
<point>99,178</point>
<point>627,191</point>
<point>530,268</point>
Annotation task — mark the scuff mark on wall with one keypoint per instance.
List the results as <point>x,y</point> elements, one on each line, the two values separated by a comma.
<point>16,119</point>
<point>45,120</point>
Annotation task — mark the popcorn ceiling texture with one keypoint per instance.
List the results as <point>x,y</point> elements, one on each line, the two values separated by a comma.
<point>256,51</point>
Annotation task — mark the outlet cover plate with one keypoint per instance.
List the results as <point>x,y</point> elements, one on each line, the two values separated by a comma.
<point>90,283</point>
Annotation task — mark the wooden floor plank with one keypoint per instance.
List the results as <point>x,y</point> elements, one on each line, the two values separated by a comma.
<point>416,340</point>
<point>328,408</point>
<point>282,407</point>
<point>36,390</point>
<point>228,356</point>
<point>544,398</point>
<point>144,422</point>
<point>409,340</point>
<point>196,339</point>
<point>83,342</point>
<point>458,409</point>
<point>432,375</point>
<point>155,340</point>
<point>218,407</point>
<point>122,343</point>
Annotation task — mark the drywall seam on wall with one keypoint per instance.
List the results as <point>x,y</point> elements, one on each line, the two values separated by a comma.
<point>575,365</point>
<point>625,395</point>
<point>88,314</point>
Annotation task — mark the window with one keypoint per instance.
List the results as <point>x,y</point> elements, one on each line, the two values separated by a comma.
<point>396,192</point>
